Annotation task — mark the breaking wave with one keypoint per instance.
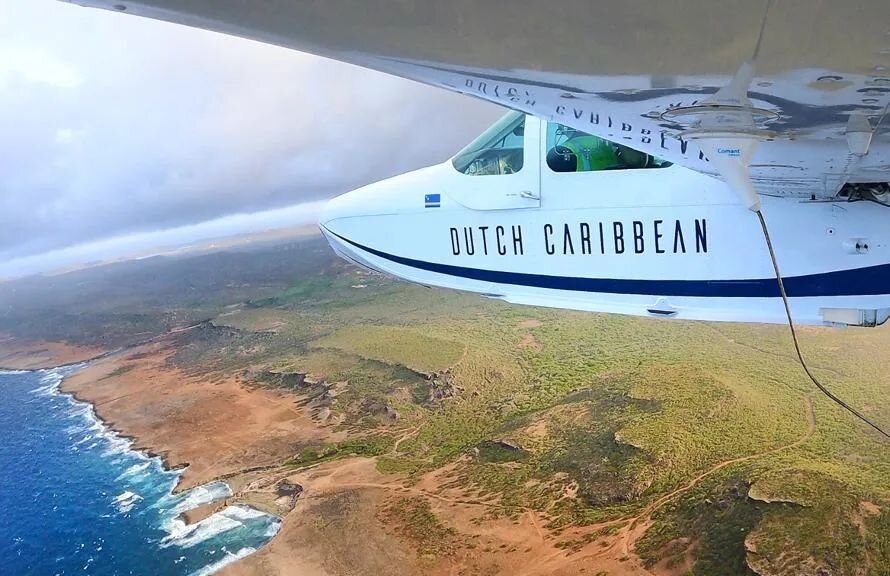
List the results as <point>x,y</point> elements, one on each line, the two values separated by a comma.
<point>229,518</point>
<point>126,501</point>
<point>225,561</point>
<point>200,495</point>
<point>144,491</point>
<point>134,470</point>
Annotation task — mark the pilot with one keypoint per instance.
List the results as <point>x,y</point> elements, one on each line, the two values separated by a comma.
<point>630,158</point>
<point>583,153</point>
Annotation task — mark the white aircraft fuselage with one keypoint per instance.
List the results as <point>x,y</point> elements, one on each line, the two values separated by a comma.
<point>779,105</point>
<point>532,213</point>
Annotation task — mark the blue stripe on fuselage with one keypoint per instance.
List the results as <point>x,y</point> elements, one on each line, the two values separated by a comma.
<point>873,280</point>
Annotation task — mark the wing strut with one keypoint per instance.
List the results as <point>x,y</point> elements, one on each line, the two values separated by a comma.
<point>828,393</point>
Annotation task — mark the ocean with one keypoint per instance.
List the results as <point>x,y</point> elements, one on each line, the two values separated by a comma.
<point>75,499</point>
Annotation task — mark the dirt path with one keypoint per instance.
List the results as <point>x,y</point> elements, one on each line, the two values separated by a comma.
<point>638,525</point>
<point>406,436</point>
<point>394,487</point>
<point>788,355</point>
<point>616,551</point>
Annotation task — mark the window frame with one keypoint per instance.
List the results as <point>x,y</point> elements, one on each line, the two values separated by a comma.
<point>653,162</point>
<point>499,130</point>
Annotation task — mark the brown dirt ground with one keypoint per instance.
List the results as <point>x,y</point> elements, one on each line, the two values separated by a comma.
<point>217,427</point>
<point>16,354</point>
<point>222,428</point>
<point>528,341</point>
<point>336,530</point>
<point>342,534</point>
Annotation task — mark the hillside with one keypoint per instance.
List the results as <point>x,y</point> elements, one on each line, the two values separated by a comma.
<point>452,434</point>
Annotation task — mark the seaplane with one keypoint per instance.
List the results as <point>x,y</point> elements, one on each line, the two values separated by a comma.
<point>719,160</point>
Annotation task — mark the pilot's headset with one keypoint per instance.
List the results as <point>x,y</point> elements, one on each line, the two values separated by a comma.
<point>561,158</point>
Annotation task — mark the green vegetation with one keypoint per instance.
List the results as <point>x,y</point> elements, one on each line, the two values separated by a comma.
<point>713,521</point>
<point>119,371</point>
<point>409,348</point>
<point>499,452</point>
<point>413,518</point>
<point>582,417</point>
<point>371,446</point>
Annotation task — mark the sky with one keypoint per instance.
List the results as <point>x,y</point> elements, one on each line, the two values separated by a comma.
<point>117,127</point>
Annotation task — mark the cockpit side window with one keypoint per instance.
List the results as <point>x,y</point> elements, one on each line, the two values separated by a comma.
<point>570,150</point>
<point>499,150</point>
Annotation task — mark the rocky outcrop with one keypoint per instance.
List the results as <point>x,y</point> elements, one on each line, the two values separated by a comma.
<point>382,411</point>
<point>286,494</point>
<point>441,386</point>
<point>290,380</point>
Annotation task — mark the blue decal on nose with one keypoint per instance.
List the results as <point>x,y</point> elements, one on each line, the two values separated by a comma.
<point>432,200</point>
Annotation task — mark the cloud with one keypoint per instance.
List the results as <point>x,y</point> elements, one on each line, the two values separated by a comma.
<point>140,243</point>
<point>37,67</point>
<point>113,125</point>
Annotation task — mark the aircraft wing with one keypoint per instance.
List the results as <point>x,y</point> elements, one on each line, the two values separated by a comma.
<point>648,74</point>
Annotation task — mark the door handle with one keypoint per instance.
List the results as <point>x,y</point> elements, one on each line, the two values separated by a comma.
<point>529,194</point>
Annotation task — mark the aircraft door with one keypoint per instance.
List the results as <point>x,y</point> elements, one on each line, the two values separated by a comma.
<point>580,170</point>
<point>501,169</point>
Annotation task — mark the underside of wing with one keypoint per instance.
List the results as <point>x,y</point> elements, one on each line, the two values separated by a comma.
<point>646,74</point>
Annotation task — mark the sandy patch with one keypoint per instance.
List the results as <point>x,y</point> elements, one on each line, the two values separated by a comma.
<point>16,354</point>
<point>336,530</point>
<point>869,508</point>
<point>216,427</point>
<point>540,430</point>
<point>528,341</point>
<point>866,510</point>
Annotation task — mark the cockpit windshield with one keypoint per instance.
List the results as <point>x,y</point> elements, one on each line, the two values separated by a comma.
<point>498,150</point>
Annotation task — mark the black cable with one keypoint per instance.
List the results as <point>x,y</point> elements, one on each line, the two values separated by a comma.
<point>823,389</point>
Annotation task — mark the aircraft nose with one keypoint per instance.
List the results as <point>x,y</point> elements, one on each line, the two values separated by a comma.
<point>343,206</point>
<point>343,221</point>
<point>393,196</point>
<point>358,218</point>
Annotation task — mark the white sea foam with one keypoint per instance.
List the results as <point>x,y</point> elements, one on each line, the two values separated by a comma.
<point>13,372</point>
<point>125,496</point>
<point>116,445</point>
<point>84,440</point>
<point>225,561</point>
<point>80,410</point>
<point>93,431</point>
<point>125,501</point>
<point>134,470</point>
<point>272,529</point>
<point>240,512</point>
<point>229,518</point>
<point>50,384</point>
<point>200,495</point>
<point>186,536</point>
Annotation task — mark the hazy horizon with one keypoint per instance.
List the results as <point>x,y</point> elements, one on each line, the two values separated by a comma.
<point>160,241</point>
<point>117,126</point>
